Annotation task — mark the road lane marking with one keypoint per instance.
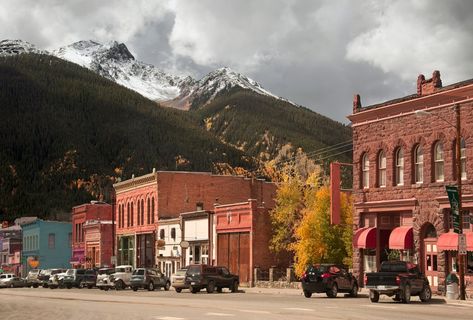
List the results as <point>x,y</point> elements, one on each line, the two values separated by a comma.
<point>380,306</point>
<point>219,314</point>
<point>298,309</point>
<point>460,305</point>
<point>254,311</point>
<point>168,318</point>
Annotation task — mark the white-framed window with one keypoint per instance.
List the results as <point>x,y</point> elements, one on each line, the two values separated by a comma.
<point>365,168</point>
<point>51,241</point>
<point>418,164</point>
<point>463,158</point>
<point>399,162</point>
<point>438,162</point>
<point>382,169</point>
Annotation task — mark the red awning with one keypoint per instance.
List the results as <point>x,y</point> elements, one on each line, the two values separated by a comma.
<point>365,238</point>
<point>449,241</point>
<point>401,238</point>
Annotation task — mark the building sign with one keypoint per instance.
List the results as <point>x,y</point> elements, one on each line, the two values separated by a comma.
<point>33,262</point>
<point>453,197</point>
<point>462,243</point>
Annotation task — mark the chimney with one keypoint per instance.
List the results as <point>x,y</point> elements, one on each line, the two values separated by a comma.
<point>199,206</point>
<point>429,86</point>
<point>356,103</point>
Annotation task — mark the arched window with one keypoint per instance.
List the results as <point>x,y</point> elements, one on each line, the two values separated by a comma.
<point>142,211</point>
<point>148,208</point>
<point>132,214</point>
<point>418,164</point>
<point>152,210</point>
<point>365,168</point>
<point>382,169</point>
<point>399,163</point>
<point>463,158</point>
<point>138,215</point>
<point>123,216</point>
<point>128,220</point>
<point>173,233</point>
<point>119,218</point>
<point>438,161</point>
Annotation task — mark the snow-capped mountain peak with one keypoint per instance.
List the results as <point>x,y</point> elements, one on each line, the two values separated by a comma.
<point>13,47</point>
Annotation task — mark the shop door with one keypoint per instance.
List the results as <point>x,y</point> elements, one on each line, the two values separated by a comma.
<point>431,262</point>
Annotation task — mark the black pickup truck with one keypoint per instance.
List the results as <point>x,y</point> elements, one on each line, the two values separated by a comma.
<point>398,279</point>
<point>200,276</point>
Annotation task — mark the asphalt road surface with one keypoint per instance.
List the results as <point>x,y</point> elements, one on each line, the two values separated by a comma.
<point>64,304</point>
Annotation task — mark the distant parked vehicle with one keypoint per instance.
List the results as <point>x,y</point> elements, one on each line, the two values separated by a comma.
<point>32,278</point>
<point>73,278</point>
<point>398,279</point>
<point>119,280</point>
<point>329,279</point>
<point>200,277</point>
<point>148,278</point>
<point>178,280</point>
<point>11,281</point>
<point>56,280</point>
<point>43,277</point>
<point>102,278</point>
<point>90,279</point>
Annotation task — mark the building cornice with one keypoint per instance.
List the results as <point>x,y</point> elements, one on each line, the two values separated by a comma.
<point>126,185</point>
<point>386,205</point>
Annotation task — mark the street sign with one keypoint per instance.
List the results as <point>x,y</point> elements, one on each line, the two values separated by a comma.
<point>454,199</point>
<point>462,243</point>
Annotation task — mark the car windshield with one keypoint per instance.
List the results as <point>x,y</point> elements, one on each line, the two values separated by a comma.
<point>318,269</point>
<point>193,270</point>
<point>393,267</point>
<point>46,272</point>
<point>56,271</point>
<point>181,272</point>
<point>139,272</point>
<point>119,269</point>
<point>70,272</point>
<point>106,271</point>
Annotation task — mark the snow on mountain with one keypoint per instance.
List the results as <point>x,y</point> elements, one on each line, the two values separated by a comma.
<point>114,61</point>
<point>12,47</point>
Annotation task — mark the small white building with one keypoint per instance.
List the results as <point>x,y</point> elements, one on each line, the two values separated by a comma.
<point>169,251</point>
<point>199,231</point>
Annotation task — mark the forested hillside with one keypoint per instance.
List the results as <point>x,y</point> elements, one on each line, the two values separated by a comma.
<point>66,134</point>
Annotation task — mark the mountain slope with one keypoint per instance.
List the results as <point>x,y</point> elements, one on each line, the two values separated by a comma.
<point>261,125</point>
<point>67,133</point>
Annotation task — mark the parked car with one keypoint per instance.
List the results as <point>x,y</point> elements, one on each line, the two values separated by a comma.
<point>178,280</point>
<point>200,276</point>
<point>73,278</point>
<point>11,281</point>
<point>398,279</point>
<point>32,279</point>
<point>89,279</point>
<point>43,277</point>
<point>119,280</point>
<point>329,279</point>
<point>148,278</point>
<point>56,279</point>
<point>102,276</point>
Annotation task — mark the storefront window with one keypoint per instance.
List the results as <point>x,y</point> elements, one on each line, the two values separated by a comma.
<point>369,260</point>
<point>469,262</point>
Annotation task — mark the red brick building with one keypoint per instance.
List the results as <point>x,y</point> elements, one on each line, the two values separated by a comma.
<point>140,201</point>
<point>95,210</point>
<point>98,236</point>
<point>402,163</point>
<point>243,234</point>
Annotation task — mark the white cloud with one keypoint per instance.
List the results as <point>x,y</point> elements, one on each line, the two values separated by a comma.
<point>416,37</point>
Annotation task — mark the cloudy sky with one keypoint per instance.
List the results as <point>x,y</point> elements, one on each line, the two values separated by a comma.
<point>314,53</point>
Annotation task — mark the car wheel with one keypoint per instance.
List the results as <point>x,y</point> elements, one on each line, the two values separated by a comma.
<point>374,296</point>
<point>35,286</point>
<point>397,297</point>
<point>69,286</point>
<point>45,285</point>
<point>333,291</point>
<point>307,294</point>
<point>194,290</point>
<point>178,290</point>
<point>234,287</point>
<point>406,294</point>
<point>354,290</point>
<point>151,286</point>
<point>426,294</point>
<point>106,289</point>
<point>119,285</point>
<point>167,286</point>
<point>89,286</point>
<point>219,289</point>
<point>210,287</point>
<point>135,288</point>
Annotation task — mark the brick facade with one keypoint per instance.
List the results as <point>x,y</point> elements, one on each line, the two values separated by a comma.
<point>393,126</point>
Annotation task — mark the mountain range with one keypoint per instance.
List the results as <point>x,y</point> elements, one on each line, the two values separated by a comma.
<point>78,118</point>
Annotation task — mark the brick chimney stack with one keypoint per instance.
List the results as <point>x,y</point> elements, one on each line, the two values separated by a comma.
<point>356,103</point>
<point>429,86</point>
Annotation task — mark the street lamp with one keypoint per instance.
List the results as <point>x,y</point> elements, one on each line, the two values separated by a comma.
<point>457,126</point>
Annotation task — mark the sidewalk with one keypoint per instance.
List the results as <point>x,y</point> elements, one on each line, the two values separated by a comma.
<point>363,293</point>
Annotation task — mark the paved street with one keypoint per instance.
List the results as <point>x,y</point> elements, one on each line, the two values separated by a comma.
<point>28,303</point>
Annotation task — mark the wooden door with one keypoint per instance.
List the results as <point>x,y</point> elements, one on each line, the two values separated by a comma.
<point>233,252</point>
<point>431,262</point>
<point>244,255</point>
<point>222,249</point>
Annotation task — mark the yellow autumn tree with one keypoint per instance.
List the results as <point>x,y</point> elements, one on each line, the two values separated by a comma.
<point>316,240</point>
